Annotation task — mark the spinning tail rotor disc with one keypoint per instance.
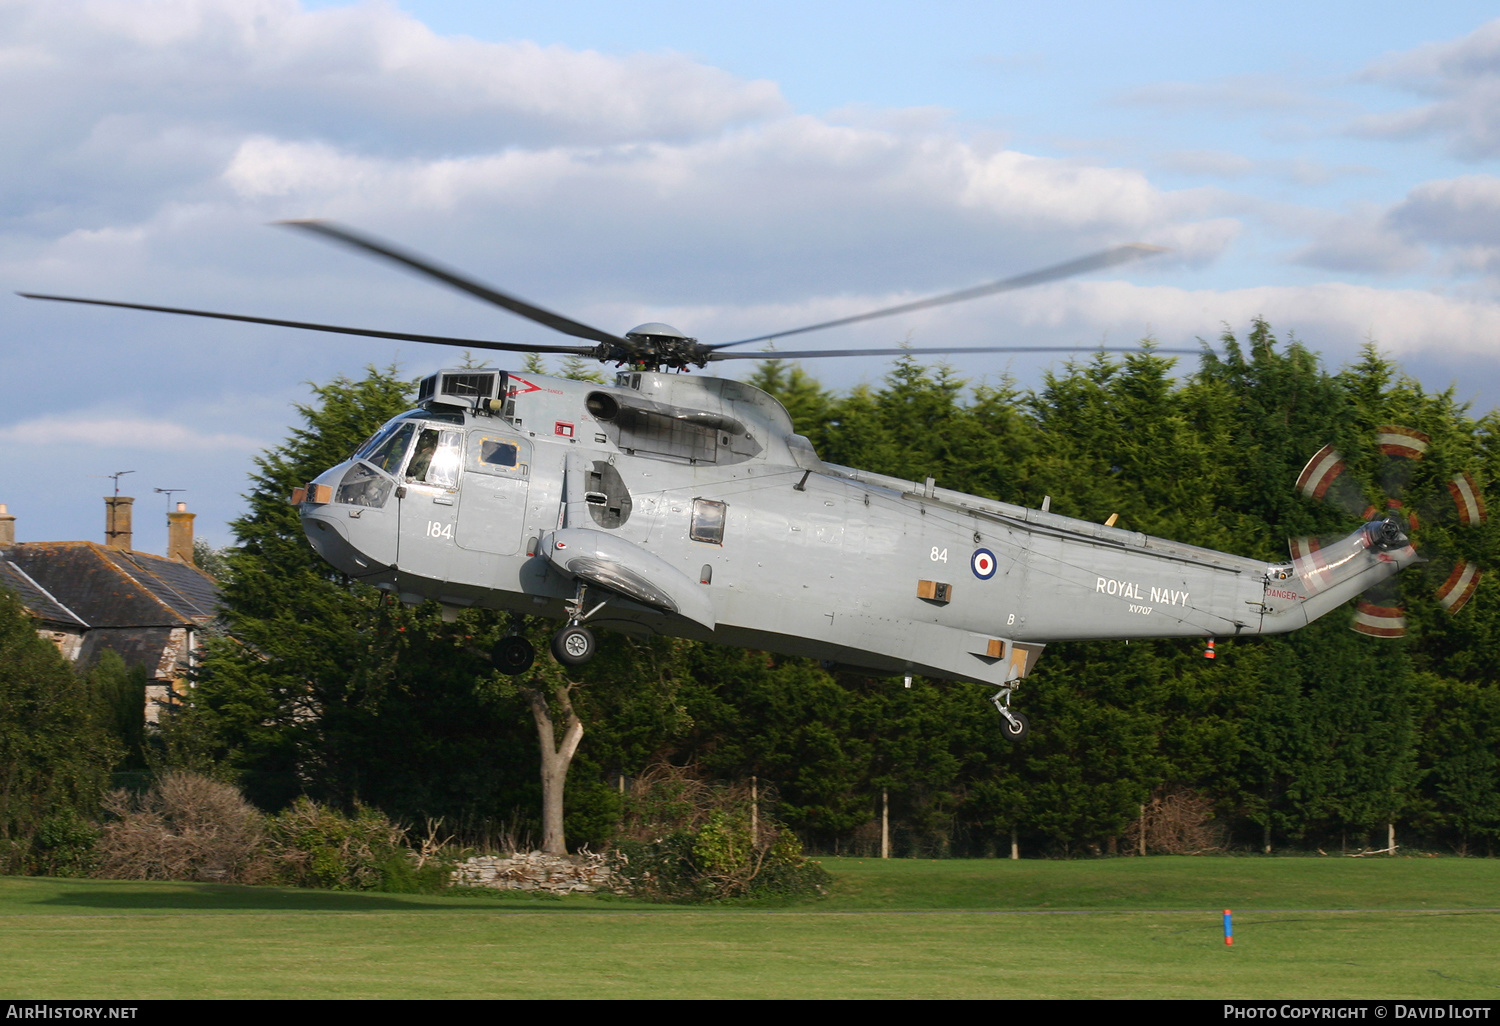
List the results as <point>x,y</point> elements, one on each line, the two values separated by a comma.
<point>1326,479</point>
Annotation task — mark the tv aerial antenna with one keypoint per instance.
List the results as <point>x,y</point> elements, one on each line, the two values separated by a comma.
<point>115,477</point>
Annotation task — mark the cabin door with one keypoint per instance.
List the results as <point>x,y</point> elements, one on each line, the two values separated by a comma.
<point>497,481</point>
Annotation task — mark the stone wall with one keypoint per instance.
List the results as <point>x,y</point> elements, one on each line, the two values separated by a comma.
<point>538,871</point>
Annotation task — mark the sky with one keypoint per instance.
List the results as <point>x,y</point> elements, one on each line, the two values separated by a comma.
<point>729,168</point>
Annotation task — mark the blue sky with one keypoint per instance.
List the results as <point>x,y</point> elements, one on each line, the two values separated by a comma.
<point>729,168</point>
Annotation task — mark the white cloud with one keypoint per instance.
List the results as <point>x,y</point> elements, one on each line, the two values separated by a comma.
<point>103,433</point>
<point>346,70</point>
<point>1454,211</point>
<point>614,189</point>
<point>859,207</point>
<point>1225,164</point>
<point>1461,78</point>
<point>156,126</point>
<point>115,106</point>
<point>1335,317</point>
<point>1231,96</point>
<point>1361,241</point>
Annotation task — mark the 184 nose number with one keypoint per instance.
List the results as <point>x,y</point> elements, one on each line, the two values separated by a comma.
<point>438,529</point>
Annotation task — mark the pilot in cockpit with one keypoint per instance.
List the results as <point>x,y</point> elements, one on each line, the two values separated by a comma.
<point>421,459</point>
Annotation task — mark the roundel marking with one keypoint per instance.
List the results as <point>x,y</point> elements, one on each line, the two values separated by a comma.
<point>983,564</point>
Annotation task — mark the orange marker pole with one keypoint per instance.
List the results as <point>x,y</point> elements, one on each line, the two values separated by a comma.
<point>1228,930</point>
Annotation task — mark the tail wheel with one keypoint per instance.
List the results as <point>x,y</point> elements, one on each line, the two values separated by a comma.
<point>1015,727</point>
<point>513,655</point>
<point>574,646</point>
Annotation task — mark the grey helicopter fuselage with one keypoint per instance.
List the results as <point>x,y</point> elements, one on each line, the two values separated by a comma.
<point>686,505</point>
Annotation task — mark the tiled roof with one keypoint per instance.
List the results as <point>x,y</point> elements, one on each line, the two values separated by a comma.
<point>113,588</point>
<point>37,600</point>
<point>185,588</point>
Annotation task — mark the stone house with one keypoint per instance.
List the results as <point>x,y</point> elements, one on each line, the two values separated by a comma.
<point>90,598</point>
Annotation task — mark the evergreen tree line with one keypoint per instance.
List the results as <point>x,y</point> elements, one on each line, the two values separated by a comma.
<point>1312,740</point>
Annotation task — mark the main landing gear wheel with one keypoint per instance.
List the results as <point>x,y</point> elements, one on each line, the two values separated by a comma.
<point>513,655</point>
<point>574,645</point>
<point>1015,727</point>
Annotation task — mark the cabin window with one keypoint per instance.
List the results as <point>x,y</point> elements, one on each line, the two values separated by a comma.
<point>497,453</point>
<point>436,458</point>
<point>708,522</point>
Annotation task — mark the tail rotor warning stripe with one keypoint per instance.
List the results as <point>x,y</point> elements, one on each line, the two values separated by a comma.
<point>1468,500</point>
<point>1379,621</point>
<point>1459,587</point>
<point>1400,441</point>
<point>1320,472</point>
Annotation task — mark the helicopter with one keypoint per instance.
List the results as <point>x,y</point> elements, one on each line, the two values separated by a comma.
<point>687,505</point>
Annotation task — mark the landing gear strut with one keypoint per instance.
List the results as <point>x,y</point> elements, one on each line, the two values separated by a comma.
<point>1015,725</point>
<point>574,645</point>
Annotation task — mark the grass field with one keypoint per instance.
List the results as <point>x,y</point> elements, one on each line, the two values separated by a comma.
<point>1304,928</point>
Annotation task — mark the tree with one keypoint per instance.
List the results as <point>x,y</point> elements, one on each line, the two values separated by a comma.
<point>55,752</point>
<point>329,688</point>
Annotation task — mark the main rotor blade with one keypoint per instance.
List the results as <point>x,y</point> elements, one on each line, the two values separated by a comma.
<point>401,336</point>
<point>1108,258</point>
<point>809,354</point>
<point>555,321</point>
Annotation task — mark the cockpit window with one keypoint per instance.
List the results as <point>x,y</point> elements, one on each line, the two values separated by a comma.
<point>378,437</point>
<point>391,451</point>
<point>363,486</point>
<point>393,425</point>
<point>436,458</point>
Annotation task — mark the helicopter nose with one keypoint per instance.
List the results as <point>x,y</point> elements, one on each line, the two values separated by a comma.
<point>357,540</point>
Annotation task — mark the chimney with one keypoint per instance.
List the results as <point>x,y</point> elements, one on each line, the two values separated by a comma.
<point>180,535</point>
<point>117,534</point>
<point>7,528</point>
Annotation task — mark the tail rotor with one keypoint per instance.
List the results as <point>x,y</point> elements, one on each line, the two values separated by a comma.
<point>1394,526</point>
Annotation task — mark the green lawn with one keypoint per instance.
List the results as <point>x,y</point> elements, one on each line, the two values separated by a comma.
<point>1309,928</point>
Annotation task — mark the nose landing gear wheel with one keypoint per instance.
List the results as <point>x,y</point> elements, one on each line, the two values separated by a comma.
<point>573,646</point>
<point>513,655</point>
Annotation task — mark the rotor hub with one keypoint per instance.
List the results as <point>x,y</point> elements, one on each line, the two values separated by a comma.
<point>1386,534</point>
<point>662,345</point>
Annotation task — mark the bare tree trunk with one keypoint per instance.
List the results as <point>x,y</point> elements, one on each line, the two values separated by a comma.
<point>754,811</point>
<point>885,824</point>
<point>557,756</point>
